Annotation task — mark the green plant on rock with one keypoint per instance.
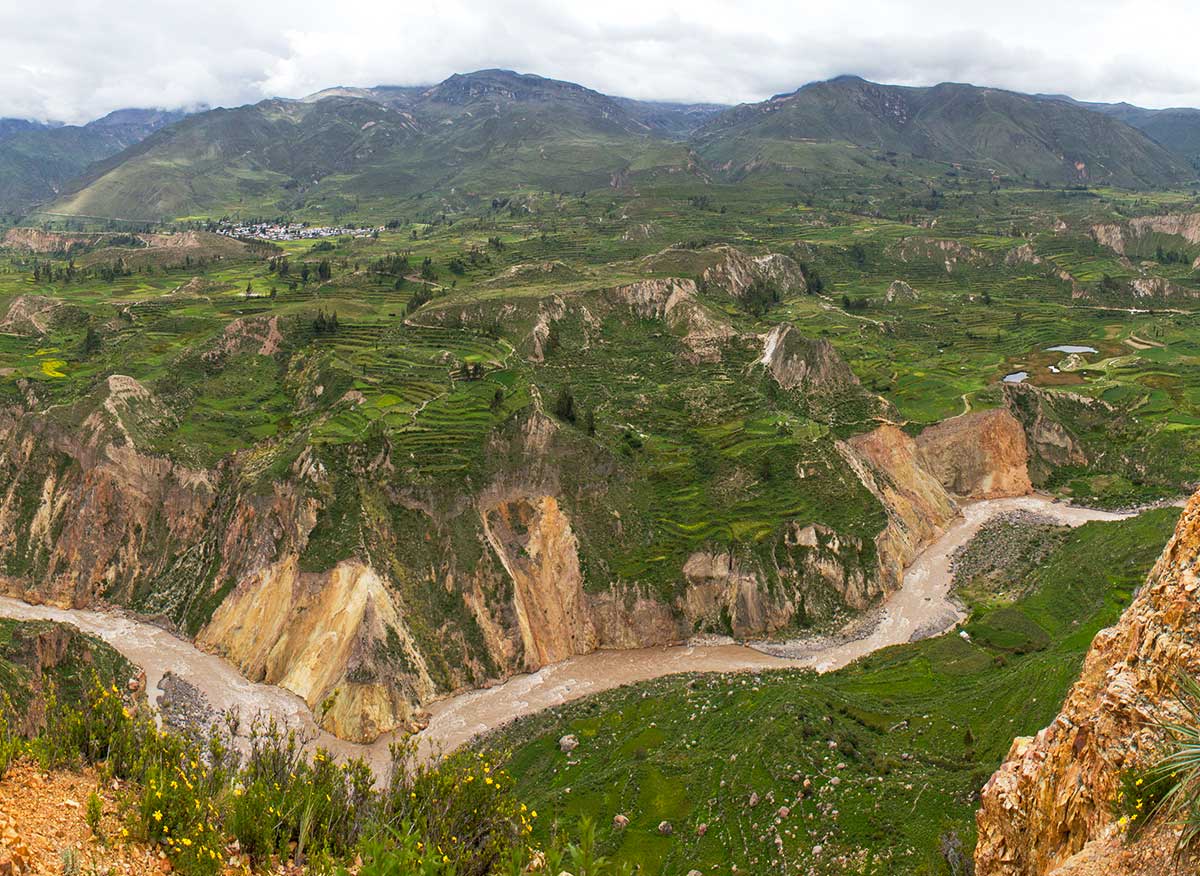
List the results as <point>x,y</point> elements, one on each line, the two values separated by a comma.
<point>1172,784</point>
<point>93,813</point>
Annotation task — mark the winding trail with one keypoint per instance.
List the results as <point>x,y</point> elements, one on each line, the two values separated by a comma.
<point>920,608</point>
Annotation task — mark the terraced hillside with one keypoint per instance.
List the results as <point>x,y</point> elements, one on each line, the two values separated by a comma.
<point>465,448</point>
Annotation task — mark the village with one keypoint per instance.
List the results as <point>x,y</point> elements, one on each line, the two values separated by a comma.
<point>293,231</point>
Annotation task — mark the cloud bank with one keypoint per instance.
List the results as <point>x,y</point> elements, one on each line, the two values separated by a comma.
<point>77,59</point>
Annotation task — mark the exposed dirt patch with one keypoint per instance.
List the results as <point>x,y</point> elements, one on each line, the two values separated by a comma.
<point>43,825</point>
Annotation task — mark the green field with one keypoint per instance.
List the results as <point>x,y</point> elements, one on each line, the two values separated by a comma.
<point>875,763</point>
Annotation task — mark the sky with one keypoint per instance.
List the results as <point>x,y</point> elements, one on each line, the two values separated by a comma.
<point>74,60</point>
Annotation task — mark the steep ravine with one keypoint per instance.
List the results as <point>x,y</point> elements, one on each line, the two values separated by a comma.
<point>439,592</point>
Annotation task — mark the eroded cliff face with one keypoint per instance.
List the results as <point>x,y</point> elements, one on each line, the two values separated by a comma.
<point>673,300</point>
<point>980,455</point>
<point>534,541</point>
<point>1118,237</point>
<point>1054,793</point>
<point>1043,414</point>
<point>917,504</point>
<point>805,364</point>
<point>736,272</point>
<point>322,636</point>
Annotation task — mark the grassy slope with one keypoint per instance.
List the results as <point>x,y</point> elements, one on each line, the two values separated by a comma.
<point>72,676</point>
<point>919,728</point>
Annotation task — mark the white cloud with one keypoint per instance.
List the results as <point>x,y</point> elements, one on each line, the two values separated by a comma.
<point>76,59</point>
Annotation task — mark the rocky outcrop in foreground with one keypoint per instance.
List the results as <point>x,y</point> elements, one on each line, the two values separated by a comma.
<point>1049,807</point>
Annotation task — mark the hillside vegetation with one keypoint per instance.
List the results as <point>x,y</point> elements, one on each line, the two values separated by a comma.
<point>511,371</point>
<point>873,769</point>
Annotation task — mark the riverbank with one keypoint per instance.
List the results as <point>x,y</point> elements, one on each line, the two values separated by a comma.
<point>920,608</point>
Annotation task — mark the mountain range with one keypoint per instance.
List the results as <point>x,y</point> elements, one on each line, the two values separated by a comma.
<point>37,159</point>
<point>495,132</point>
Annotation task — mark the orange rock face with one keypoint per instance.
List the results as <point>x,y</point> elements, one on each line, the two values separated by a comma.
<point>979,455</point>
<point>1053,795</point>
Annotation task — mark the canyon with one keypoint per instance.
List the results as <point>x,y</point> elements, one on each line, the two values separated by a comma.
<point>94,516</point>
<point>921,607</point>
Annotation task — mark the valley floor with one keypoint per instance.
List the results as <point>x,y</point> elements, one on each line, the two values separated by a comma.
<point>921,608</point>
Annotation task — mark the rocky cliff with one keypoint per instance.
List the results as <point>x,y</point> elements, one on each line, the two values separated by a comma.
<point>1119,237</point>
<point>805,364</point>
<point>735,273</point>
<point>918,505</point>
<point>980,455</point>
<point>1049,807</point>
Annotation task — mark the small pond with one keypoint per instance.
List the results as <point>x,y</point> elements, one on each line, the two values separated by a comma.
<point>1016,377</point>
<point>1071,348</point>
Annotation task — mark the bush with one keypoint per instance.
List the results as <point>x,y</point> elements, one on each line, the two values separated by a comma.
<point>280,797</point>
<point>191,794</point>
<point>1172,784</point>
<point>1139,795</point>
<point>93,815</point>
<point>461,805</point>
<point>11,744</point>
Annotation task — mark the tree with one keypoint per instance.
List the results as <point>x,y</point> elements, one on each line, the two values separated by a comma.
<point>589,422</point>
<point>564,405</point>
<point>91,342</point>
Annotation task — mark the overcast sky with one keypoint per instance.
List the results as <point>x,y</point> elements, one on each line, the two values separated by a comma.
<point>74,60</point>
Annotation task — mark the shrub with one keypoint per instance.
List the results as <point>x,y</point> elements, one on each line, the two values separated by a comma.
<point>461,805</point>
<point>280,797</point>
<point>190,794</point>
<point>11,744</point>
<point>93,813</point>
<point>1140,793</point>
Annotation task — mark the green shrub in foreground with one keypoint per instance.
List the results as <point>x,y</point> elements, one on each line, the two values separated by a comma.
<point>194,795</point>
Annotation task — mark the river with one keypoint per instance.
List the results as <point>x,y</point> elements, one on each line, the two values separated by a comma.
<point>921,607</point>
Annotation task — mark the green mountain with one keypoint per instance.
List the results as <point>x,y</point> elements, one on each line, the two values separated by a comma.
<point>36,160</point>
<point>984,129</point>
<point>485,132</point>
<point>494,133</point>
<point>1176,128</point>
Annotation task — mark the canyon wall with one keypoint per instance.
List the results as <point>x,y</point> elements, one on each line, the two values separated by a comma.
<point>1049,806</point>
<point>424,593</point>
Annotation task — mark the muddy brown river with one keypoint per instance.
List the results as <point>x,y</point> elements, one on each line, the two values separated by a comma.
<point>920,608</point>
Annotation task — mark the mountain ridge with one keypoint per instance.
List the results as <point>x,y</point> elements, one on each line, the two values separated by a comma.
<point>497,131</point>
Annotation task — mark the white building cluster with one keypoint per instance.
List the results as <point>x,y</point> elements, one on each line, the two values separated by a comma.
<point>294,231</point>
